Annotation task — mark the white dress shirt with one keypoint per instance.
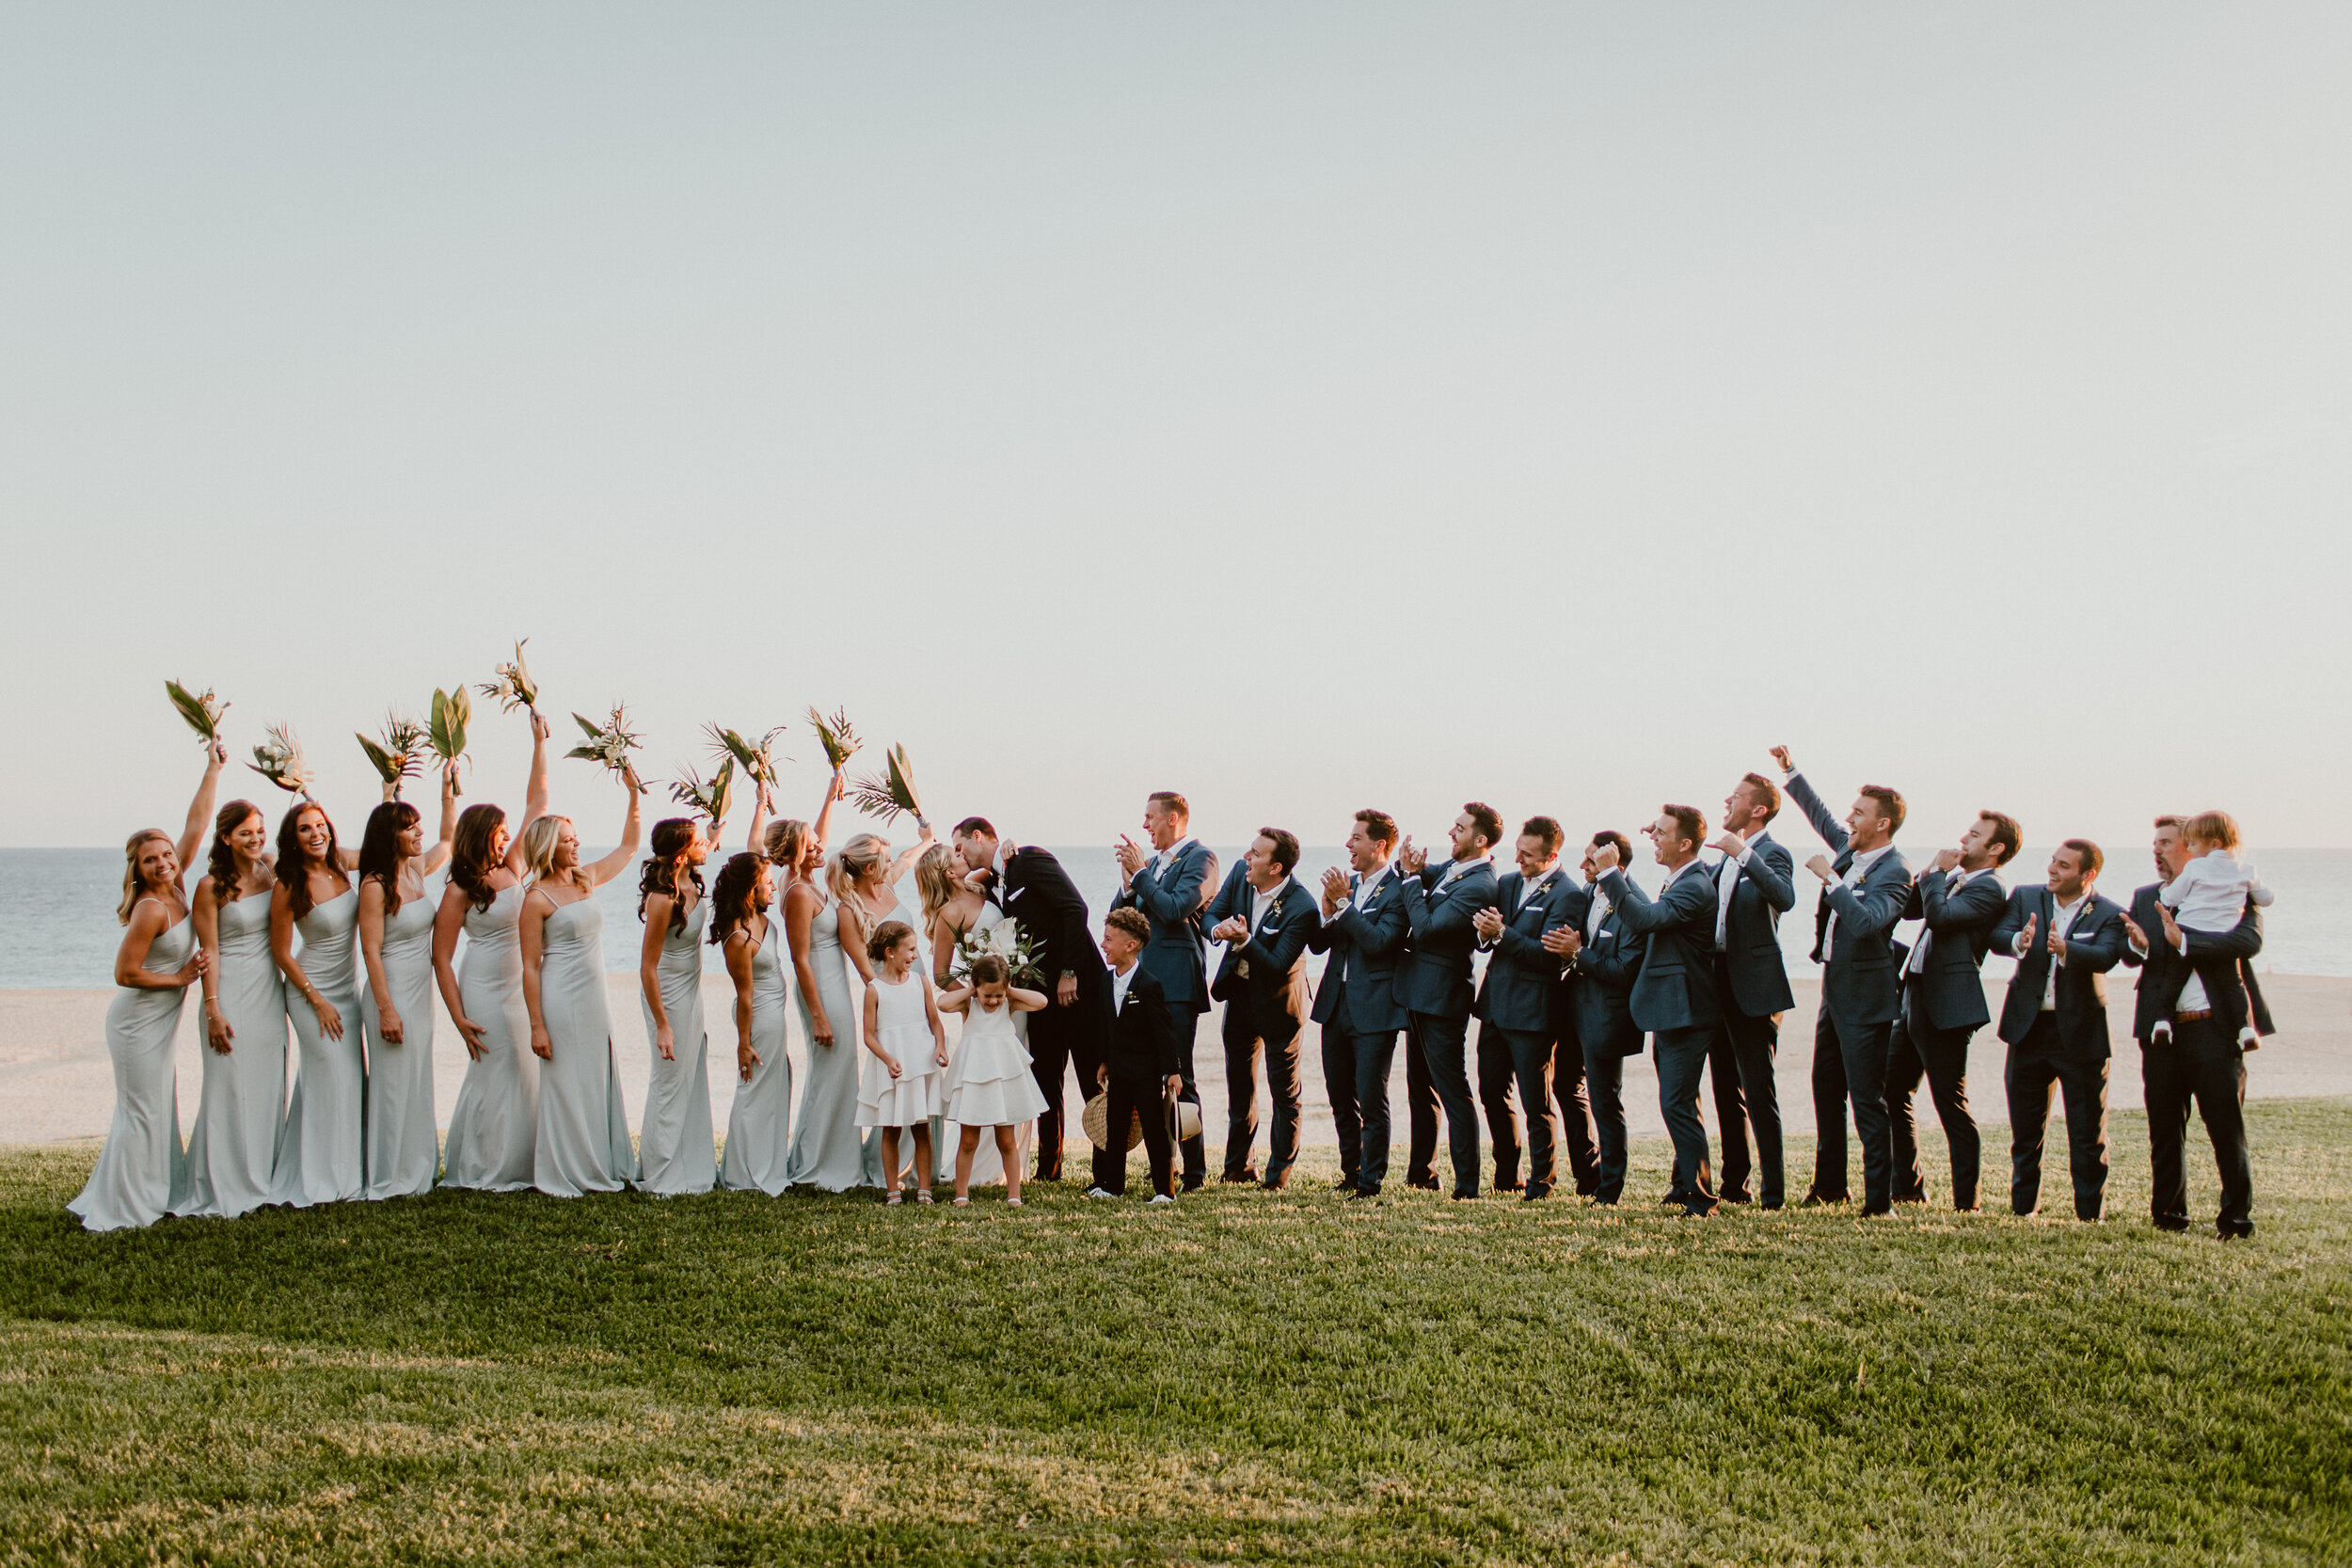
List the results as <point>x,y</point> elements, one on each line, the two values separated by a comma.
<point>1367,886</point>
<point>1727,883</point>
<point>1160,863</point>
<point>1855,870</point>
<point>2063,922</point>
<point>1120,980</point>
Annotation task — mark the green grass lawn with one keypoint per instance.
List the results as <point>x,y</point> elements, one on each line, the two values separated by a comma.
<point>1248,1378</point>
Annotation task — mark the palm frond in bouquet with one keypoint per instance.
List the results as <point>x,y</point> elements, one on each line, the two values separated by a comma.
<point>890,792</point>
<point>446,734</point>
<point>840,740</point>
<point>1005,939</point>
<point>708,799</point>
<point>609,743</point>
<point>399,751</point>
<point>278,759</point>
<point>202,713</point>
<point>757,758</point>
<point>514,687</point>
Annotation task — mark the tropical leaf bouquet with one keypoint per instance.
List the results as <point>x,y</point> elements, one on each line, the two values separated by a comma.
<point>446,734</point>
<point>609,743</point>
<point>757,758</point>
<point>514,687</point>
<point>1005,939</point>
<point>840,740</point>
<point>202,713</point>
<point>888,792</point>
<point>708,799</point>
<point>278,759</point>
<point>399,752</point>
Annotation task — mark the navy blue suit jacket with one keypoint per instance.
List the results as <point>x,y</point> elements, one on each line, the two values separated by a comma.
<point>1601,980</point>
<point>1950,986</point>
<point>1523,988</point>
<point>2219,956</point>
<point>1176,904</point>
<point>2095,945</point>
<point>1436,977</point>
<point>1859,975</point>
<point>1367,946</point>
<point>1765,891</point>
<point>1276,956</point>
<point>1673,987</point>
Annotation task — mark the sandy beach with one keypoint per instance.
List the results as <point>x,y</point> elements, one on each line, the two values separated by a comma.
<point>55,1082</point>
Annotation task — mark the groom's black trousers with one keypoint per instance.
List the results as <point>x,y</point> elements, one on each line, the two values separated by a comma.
<point>1061,1039</point>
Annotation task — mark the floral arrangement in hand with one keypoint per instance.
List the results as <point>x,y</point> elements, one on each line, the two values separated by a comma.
<point>1005,939</point>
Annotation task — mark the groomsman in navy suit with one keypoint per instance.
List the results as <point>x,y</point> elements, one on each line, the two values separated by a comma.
<point>1262,983</point>
<point>1171,887</point>
<point>2196,1053</point>
<point>1522,1013</point>
<point>1584,936</point>
<point>1754,888</point>
<point>1356,1007</point>
<point>2065,937</point>
<point>1673,986</point>
<point>1958,899</point>
<point>1440,904</point>
<point>1863,894</point>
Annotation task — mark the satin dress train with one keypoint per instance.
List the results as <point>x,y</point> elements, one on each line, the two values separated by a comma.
<point>404,1145</point>
<point>583,1141</point>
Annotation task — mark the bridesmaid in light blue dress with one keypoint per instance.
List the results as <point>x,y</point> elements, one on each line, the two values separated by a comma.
<point>494,1128</point>
<point>674,1149</point>
<point>240,1119</point>
<point>141,1173</point>
<point>583,1141</point>
<point>759,1128</point>
<point>404,1145</point>
<point>322,1158</point>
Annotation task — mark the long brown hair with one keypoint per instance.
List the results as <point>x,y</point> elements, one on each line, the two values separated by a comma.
<point>221,864</point>
<point>299,900</point>
<point>737,895</point>
<point>379,848</point>
<point>470,861</point>
<point>666,871</point>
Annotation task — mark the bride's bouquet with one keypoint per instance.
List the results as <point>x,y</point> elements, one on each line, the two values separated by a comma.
<point>835,735</point>
<point>278,759</point>
<point>400,751</point>
<point>1005,939</point>
<point>609,743</point>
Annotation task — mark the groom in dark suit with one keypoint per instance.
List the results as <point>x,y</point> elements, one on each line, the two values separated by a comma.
<point>1171,885</point>
<point>1031,887</point>
<point>1863,894</point>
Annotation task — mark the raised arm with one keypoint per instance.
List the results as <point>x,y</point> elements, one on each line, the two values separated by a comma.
<point>620,859</point>
<point>904,861</point>
<point>757,841</point>
<point>819,828</point>
<point>438,856</point>
<point>534,794</point>
<point>1831,830</point>
<point>200,808</point>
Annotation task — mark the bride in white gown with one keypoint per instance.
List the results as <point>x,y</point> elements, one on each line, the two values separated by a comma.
<point>953,910</point>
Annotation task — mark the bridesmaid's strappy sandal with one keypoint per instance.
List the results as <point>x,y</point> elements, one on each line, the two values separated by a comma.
<point>960,1203</point>
<point>892,1200</point>
<point>922,1197</point>
<point>1016,1203</point>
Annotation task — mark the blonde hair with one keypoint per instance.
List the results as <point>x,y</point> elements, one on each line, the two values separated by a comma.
<point>133,886</point>
<point>786,837</point>
<point>540,839</point>
<point>931,881</point>
<point>2216,830</point>
<point>849,865</point>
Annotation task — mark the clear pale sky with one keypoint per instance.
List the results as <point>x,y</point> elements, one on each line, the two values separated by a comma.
<point>1303,406</point>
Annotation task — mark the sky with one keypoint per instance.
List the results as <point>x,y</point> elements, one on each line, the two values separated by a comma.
<point>1302,406</point>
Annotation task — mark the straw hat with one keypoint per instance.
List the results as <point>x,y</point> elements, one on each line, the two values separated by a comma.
<point>1184,1119</point>
<point>1095,1119</point>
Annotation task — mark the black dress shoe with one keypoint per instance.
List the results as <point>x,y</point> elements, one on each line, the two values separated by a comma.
<point>1773,1208</point>
<point>1699,1209</point>
<point>1365,1193</point>
<point>1276,1183</point>
<point>1502,1186</point>
<point>1426,1184</point>
<point>1742,1197</point>
<point>1919,1196</point>
<point>1874,1211</point>
<point>1586,1188</point>
<point>1344,1185</point>
<point>1241,1178</point>
<point>1464,1197</point>
<point>1194,1183</point>
<point>1536,1191</point>
<point>1814,1199</point>
<point>2243,1231</point>
<point>2173,1222</point>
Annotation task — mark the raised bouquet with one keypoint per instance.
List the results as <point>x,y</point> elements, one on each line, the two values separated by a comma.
<point>446,734</point>
<point>757,758</point>
<point>514,687</point>
<point>839,740</point>
<point>399,751</point>
<point>278,759</point>
<point>890,792</point>
<point>1006,940</point>
<point>708,799</point>
<point>202,713</point>
<point>609,743</point>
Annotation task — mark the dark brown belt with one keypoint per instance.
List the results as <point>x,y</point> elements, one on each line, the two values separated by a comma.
<point>2197,1017</point>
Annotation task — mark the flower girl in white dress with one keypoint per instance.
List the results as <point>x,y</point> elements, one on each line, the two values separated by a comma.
<point>990,1083</point>
<point>906,1047</point>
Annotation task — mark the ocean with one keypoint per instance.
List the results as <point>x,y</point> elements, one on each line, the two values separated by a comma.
<point>58,926</point>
